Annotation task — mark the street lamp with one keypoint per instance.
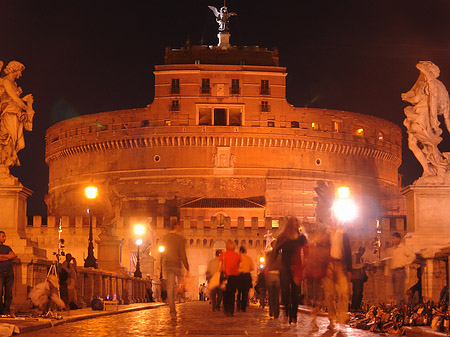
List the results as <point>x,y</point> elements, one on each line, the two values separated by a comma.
<point>344,208</point>
<point>161,251</point>
<point>138,272</point>
<point>139,230</point>
<point>90,261</point>
<point>261,262</point>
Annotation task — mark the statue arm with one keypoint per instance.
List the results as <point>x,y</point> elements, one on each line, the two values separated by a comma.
<point>10,89</point>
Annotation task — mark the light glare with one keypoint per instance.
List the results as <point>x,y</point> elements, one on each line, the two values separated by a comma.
<point>139,242</point>
<point>91,192</point>
<point>139,229</point>
<point>161,249</point>
<point>345,209</point>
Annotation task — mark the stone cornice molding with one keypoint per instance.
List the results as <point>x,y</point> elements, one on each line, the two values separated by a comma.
<point>340,147</point>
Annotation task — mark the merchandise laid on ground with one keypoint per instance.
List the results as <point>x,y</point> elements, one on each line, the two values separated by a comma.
<point>395,319</point>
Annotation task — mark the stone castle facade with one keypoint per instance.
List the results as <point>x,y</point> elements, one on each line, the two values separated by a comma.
<point>222,149</point>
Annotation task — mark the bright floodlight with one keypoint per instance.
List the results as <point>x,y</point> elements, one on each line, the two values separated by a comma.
<point>161,249</point>
<point>344,209</point>
<point>261,259</point>
<point>139,242</point>
<point>91,192</point>
<point>139,229</point>
<point>343,192</point>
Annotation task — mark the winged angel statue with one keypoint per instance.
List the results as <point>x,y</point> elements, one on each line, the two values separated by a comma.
<point>430,100</point>
<point>16,113</point>
<point>222,17</point>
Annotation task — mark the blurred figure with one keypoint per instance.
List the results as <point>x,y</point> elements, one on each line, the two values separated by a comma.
<point>216,293</point>
<point>230,264</point>
<point>359,276</point>
<point>272,276</point>
<point>148,289</point>
<point>260,288</point>
<point>174,258</point>
<point>338,276</point>
<point>289,242</point>
<point>401,257</point>
<point>46,293</point>
<point>317,259</point>
<point>245,279</point>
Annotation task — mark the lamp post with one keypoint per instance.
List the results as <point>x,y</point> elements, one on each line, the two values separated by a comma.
<point>161,252</point>
<point>90,261</point>
<point>138,272</point>
<point>139,230</point>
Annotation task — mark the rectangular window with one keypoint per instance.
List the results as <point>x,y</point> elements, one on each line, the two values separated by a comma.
<point>235,90</point>
<point>295,124</point>
<point>167,122</point>
<point>265,106</point>
<point>145,123</point>
<point>206,86</point>
<point>315,126</point>
<point>264,90</point>
<point>204,116</point>
<point>175,106</point>
<point>336,127</point>
<point>235,116</point>
<point>175,88</point>
<point>271,123</point>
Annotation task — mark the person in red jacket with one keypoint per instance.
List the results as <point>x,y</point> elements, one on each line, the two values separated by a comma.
<point>229,262</point>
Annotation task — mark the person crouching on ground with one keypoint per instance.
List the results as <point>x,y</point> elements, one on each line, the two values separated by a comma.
<point>45,294</point>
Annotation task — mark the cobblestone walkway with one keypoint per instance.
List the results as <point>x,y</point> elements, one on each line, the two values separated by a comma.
<point>194,319</point>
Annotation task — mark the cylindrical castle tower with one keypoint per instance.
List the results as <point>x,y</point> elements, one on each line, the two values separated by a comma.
<point>220,128</point>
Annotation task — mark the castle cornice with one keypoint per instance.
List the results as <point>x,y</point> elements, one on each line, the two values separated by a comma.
<point>337,146</point>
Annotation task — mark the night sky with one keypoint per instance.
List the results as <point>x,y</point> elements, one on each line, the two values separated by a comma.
<point>92,56</point>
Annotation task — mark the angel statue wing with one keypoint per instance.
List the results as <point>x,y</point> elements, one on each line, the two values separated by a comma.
<point>215,11</point>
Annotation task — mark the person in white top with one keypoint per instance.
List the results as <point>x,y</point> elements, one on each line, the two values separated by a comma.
<point>402,257</point>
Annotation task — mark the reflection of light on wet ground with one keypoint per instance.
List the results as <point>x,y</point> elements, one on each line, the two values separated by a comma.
<point>193,318</point>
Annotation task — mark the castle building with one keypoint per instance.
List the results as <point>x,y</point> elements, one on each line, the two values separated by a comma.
<point>221,148</point>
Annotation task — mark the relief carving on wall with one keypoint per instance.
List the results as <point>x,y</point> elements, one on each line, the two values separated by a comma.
<point>223,158</point>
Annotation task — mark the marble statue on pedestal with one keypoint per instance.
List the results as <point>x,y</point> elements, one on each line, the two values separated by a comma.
<point>16,114</point>
<point>430,99</point>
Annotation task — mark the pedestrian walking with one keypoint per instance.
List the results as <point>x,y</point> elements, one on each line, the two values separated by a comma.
<point>174,258</point>
<point>359,277</point>
<point>272,277</point>
<point>245,279</point>
<point>6,275</point>
<point>401,257</point>
<point>338,276</point>
<point>317,259</point>
<point>289,241</point>
<point>216,293</point>
<point>230,265</point>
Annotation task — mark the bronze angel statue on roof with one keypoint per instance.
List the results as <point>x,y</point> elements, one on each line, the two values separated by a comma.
<point>222,17</point>
<point>430,100</point>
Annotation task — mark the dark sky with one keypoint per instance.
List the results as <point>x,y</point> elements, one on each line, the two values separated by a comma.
<point>92,56</point>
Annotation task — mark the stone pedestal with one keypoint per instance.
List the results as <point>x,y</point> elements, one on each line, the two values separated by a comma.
<point>13,220</point>
<point>109,247</point>
<point>224,39</point>
<point>428,217</point>
<point>428,226</point>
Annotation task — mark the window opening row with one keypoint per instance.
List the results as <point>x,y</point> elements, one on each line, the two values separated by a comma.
<point>206,87</point>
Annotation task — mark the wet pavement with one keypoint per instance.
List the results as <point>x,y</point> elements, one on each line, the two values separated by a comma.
<point>194,319</point>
